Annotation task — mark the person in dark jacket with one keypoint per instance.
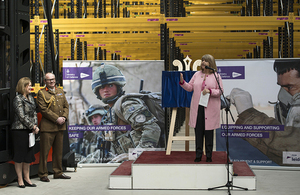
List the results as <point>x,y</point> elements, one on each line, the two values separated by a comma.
<point>25,122</point>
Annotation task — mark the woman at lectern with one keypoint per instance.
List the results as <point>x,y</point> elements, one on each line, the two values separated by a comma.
<point>205,105</point>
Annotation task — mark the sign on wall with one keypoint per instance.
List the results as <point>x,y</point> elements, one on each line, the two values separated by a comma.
<point>257,132</point>
<point>92,137</point>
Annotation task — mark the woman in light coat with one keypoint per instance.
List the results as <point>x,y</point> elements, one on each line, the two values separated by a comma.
<point>204,119</point>
<point>25,122</point>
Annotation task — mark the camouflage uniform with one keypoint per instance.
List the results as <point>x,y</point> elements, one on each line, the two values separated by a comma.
<point>98,136</point>
<point>145,131</point>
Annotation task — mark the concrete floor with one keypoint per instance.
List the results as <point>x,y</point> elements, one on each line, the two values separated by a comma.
<point>90,180</point>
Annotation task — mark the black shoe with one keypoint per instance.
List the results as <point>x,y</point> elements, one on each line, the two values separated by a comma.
<point>208,159</point>
<point>197,160</point>
<point>28,184</point>
<point>21,186</point>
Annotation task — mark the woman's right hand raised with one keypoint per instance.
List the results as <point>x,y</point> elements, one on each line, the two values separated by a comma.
<point>181,78</point>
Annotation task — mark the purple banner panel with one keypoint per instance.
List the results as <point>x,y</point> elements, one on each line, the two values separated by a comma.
<point>232,72</point>
<point>246,134</point>
<point>253,127</point>
<point>77,73</point>
<point>75,135</point>
<point>99,127</point>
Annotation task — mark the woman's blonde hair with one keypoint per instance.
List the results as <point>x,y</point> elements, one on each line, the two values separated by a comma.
<point>21,85</point>
<point>211,60</point>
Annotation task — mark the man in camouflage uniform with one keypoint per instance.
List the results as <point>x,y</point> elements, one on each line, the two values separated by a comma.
<point>94,116</point>
<point>108,83</point>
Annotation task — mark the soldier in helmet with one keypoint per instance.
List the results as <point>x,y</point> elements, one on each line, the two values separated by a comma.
<point>108,83</point>
<point>94,115</point>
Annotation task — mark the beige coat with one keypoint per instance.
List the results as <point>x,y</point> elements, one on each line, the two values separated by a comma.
<point>52,105</point>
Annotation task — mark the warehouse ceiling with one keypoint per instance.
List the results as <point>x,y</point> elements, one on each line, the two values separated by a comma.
<point>132,30</point>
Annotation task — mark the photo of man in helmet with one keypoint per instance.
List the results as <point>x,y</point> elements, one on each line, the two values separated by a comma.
<point>107,84</point>
<point>93,140</point>
<point>95,114</point>
<point>82,100</point>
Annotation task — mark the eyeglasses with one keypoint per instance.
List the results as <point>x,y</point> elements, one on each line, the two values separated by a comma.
<point>51,80</point>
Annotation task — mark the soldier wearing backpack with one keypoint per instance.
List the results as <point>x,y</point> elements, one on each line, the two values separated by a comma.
<point>108,82</point>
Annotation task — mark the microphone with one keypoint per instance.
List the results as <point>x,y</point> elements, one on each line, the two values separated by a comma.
<point>207,67</point>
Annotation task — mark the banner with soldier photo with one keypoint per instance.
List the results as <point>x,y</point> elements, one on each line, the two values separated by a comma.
<point>264,95</point>
<point>115,109</point>
<point>264,115</point>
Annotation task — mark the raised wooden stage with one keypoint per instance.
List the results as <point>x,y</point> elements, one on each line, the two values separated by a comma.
<point>156,170</point>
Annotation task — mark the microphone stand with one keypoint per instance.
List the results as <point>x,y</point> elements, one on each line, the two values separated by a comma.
<point>229,183</point>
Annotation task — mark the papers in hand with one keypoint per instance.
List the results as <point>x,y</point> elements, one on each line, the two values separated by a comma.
<point>31,140</point>
<point>204,99</point>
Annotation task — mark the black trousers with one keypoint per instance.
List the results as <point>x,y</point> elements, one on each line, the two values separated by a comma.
<point>200,133</point>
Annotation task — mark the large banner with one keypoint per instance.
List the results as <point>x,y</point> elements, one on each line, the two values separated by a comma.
<point>264,116</point>
<point>264,128</point>
<point>100,131</point>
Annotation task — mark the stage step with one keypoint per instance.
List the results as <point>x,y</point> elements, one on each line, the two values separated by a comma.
<point>156,170</point>
<point>121,178</point>
<point>245,177</point>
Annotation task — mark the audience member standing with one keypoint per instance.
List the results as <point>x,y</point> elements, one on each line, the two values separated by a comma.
<point>25,122</point>
<point>55,110</point>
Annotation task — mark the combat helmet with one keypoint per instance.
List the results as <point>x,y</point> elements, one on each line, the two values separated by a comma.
<point>108,74</point>
<point>94,109</point>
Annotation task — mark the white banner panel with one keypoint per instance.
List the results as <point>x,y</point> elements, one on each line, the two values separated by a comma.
<point>259,77</point>
<point>254,135</point>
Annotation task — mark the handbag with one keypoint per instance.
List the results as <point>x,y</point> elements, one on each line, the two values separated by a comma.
<point>31,140</point>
